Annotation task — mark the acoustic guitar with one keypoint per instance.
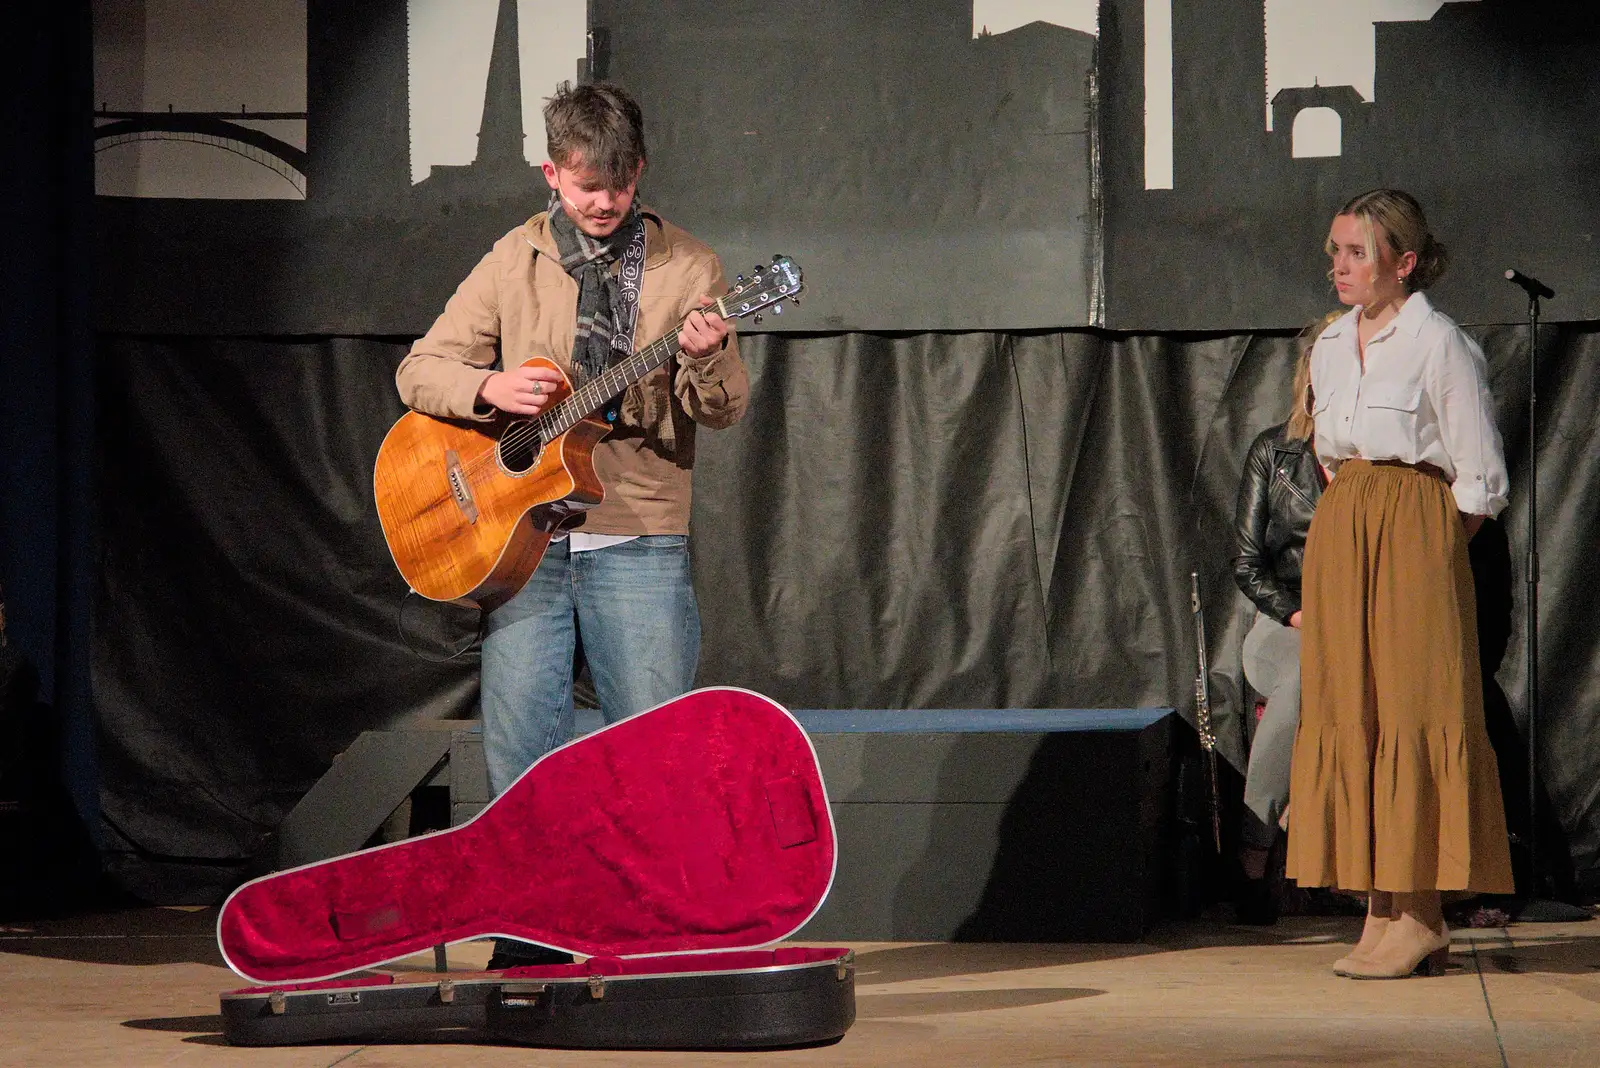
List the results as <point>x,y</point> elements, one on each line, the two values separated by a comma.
<point>468,508</point>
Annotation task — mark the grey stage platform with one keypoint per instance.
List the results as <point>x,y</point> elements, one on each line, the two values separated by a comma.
<point>954,824</point>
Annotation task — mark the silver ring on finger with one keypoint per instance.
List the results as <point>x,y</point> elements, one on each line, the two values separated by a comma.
<point>538,389</point>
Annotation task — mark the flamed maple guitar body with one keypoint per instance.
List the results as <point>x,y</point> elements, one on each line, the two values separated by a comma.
<point>462,522</point>
<point>469,508</point>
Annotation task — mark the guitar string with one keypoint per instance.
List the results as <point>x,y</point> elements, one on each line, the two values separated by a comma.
<point>589,397</point>
<point>584,400</point>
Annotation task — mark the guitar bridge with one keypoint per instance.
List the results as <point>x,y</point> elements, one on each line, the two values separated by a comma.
<point>460,489</point>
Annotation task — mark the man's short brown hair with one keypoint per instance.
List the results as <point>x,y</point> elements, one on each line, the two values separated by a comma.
<point>600,125</point>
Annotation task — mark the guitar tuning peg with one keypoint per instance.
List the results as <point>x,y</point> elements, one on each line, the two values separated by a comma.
<point>738,278</point>
<point>795,301</point>
<point>777,309</point>
<point>776,256</point>
<point>758,318</point>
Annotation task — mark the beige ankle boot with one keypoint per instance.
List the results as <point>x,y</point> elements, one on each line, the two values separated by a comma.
<point>1408,947</point>
<point>1371,936</point>
<point>1380,913</point>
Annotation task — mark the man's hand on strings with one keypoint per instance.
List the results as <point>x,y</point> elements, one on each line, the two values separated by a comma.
<point>521,390</point>
<point>703,332</point>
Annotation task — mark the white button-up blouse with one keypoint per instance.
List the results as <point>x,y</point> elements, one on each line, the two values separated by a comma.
<point>1424,398</point>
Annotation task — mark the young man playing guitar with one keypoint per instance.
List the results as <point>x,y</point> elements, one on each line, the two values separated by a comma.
<point>578,283</point>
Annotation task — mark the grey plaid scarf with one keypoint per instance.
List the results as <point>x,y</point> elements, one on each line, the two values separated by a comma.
<point>604,300</point>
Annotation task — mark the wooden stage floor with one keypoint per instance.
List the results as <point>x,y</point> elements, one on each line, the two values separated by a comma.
<point>139,988</point>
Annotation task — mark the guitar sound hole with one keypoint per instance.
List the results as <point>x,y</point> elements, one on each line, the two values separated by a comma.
<point>520,446</point>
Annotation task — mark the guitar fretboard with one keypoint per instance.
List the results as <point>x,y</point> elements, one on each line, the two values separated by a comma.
<point>589,397</point>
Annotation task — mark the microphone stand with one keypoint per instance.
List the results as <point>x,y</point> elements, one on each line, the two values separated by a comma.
<point>1535,909</point>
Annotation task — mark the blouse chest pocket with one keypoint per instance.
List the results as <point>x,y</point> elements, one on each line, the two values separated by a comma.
<point>1320,416</point>
<point>1397,398</point>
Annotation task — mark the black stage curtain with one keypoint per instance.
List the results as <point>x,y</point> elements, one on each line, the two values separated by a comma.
<point>931,520</point>
<point>46,456</point>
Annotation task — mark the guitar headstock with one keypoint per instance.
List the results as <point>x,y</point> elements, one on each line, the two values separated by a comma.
<point>770,285</point>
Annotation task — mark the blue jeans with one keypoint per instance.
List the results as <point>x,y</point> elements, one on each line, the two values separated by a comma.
<point>634,606</point>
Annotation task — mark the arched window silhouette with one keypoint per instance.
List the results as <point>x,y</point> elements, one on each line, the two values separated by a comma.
<point>1317,132</point>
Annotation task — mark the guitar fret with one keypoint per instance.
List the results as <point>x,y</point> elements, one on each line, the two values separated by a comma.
<point>613,380</point>
<point>592,394</point>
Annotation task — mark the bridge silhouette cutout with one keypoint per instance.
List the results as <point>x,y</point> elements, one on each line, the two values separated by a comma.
<point>219,129</point>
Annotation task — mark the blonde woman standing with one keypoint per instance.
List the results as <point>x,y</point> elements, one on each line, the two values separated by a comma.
<point>1394,787</point>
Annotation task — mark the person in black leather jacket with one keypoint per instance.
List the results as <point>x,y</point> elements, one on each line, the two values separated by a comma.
<point>1277,496</point>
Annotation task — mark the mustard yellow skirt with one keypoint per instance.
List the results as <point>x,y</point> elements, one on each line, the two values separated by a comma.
<point>1393,784</point>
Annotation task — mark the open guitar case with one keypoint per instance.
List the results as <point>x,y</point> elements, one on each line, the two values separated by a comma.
<point>671,850</point>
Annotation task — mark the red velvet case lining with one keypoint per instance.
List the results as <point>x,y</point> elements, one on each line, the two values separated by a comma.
<point>698,825</point>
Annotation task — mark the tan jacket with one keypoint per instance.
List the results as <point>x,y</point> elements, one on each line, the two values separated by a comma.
<point>518,303</point>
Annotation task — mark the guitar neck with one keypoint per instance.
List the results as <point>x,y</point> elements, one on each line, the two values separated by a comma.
<point>589,397</point>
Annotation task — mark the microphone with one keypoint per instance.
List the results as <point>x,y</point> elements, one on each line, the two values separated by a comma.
<point>1531,286</point>
<point>562,193</point>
